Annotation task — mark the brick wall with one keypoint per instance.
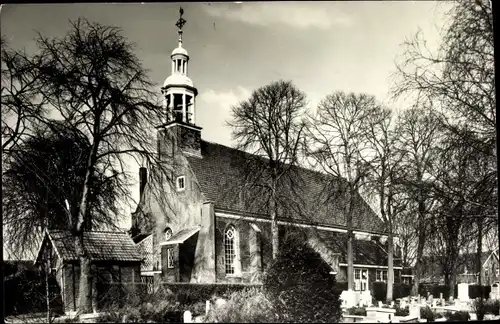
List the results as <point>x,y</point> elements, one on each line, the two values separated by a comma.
<point>102,273</point>
<point>255,249</point>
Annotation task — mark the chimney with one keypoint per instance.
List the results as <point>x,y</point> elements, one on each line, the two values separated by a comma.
<point>143,174</point>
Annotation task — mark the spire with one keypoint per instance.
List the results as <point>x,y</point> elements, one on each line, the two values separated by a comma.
<point>180,23</point>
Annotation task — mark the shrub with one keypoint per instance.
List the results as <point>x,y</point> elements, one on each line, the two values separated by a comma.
<point>245,306</point>
<point>401,290</point>
<point>160,311</point>
<point>192,293</point>
<point>402,311</point>
<point>477,291</point>
<point>299,284</point>
<point>479,306</point>
<point>379,291</point>
<point>493,306</point>
<point>359,311</point>
<point>460,316</point>
<point>427,313</point>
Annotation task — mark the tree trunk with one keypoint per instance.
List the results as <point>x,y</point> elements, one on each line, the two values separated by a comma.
<point>390,266</point>
<point>84,290</point>
<point>453,282</point>
<point>479,250</point>
<point>420,246</point>
<point>274,214</point>
<point>350,238</point>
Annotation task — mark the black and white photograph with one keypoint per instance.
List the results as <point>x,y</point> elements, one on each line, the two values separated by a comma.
<point>243,162</point>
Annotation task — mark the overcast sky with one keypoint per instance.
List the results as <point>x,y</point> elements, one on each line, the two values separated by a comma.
<point>235,48</point>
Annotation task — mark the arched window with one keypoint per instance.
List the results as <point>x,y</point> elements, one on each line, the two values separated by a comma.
<point>167,233</point>
<point>231,251</point>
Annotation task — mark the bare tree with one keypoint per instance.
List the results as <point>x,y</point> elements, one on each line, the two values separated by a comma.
<point>269,125</point>
<point>384,161</point>
<point>96,83</point>
<point>19,100</point>
<point>459,82</point>
<point>44,172</point>
<point>419,131</point>
<point>338,142</point>
<point>404,229</point>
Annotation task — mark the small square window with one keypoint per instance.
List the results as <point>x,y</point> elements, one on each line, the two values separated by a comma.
<point>181,183</point>
<point>170,258</point>
<point>357,274</point>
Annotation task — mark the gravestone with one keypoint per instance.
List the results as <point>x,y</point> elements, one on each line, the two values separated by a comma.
<point>441,300</point>
<point>430,299</point>
<point>402,304</point>
<point>207,307</point>
<point>392,304</point>
<point>495,291</point>
<point>463,291</point>
<point>415,311</point>
<point>379,304</point>
<point>187,317</point>
<point>434,303</point>
<point>220,302</point>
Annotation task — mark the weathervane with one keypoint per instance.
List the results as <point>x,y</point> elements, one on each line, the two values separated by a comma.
<point>180,23</point>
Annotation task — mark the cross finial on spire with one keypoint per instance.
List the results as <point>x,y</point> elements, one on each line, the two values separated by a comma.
<point>180,23</point>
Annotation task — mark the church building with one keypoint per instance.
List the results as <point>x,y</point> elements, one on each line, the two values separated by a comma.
<point>209,225</point>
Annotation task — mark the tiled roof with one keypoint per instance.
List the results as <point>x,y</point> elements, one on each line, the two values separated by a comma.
<point>101,246</point>
<point>138,238</point>
<point>366,252</point>
<point>223,172</point>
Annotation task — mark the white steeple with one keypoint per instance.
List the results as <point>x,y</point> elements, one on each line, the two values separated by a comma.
<point>178,90</point>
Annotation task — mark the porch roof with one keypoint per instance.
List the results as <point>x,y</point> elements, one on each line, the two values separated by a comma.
<point>181,236</point>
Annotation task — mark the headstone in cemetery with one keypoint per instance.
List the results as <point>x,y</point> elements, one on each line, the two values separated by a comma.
<point>207,307</point>
<point>379,304</point>
<point>402,304</point>
<point>463,291</point>
<point>495,291</point>
<point>430,298</point>
<point>187,317</point>
<point>350,298</point>
<point>392,304</point>
<point>441,300</point>
<point>365,298</point>
<point>415,311</point>
<point>434,303</point>
<point>220,302</point>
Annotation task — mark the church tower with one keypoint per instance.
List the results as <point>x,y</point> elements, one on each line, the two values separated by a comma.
<point>179,98</point>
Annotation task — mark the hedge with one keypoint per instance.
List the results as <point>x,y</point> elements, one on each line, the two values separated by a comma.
<point>477,291</point>
<point>190,293</point>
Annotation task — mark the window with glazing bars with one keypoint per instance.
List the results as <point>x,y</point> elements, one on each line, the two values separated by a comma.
<point>230,249</point>
<point>170,258</point>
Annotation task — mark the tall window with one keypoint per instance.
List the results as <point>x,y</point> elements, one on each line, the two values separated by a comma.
<point>170,258</point>
<point>231,257</point>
